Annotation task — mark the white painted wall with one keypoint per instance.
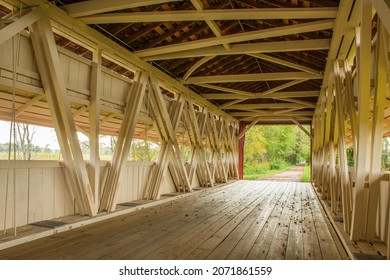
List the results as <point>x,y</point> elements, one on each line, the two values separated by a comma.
<point>41,191</point>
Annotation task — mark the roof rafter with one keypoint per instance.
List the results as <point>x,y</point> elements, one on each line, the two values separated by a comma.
<point>247,36</point>
<point>95,7</point>
<point>210,15</point>
<point>266,93</point>
<point>279,76</point>
<point>269,106</point>
<point>196,66</point>
<point>285,63</point>
<point>211,23</point>
<point>280,94</point>
<point>259,112</point>
<point>267,47</point>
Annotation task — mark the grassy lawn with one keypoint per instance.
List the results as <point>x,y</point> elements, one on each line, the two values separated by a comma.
<point>266,172</point>
<point>306,174</point>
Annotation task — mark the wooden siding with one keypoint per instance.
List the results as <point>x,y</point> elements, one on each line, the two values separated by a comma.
<point>42,194</point>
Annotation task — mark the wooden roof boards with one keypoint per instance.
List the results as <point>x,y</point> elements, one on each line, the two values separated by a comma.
<point>257,47</point>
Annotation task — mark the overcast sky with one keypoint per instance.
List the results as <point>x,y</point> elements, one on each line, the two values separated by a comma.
<point>44,136</point>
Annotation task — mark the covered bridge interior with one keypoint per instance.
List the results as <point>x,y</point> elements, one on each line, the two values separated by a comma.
<point>199,74</point>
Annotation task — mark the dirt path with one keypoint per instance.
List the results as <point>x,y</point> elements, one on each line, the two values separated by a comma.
<point>292,174</point>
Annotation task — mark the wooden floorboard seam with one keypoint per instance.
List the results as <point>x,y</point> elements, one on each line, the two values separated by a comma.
<point>247,220</point>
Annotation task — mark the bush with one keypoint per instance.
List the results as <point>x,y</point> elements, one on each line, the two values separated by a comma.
<point>306,174</point>
<point>256,168</point>
<point>277,164</point>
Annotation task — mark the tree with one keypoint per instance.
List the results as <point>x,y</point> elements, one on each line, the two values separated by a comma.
<point>143,150</point>
<point>275,146</point>
<point>24,137</point>
<point>255,146</point>
<point>386,154</point>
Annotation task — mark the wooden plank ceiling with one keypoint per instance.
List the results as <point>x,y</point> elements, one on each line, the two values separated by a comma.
<point>257,60</point>
<point>260,60</point>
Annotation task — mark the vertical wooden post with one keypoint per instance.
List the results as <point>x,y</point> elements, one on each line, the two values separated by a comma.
<point>198,157</point>
<point>343,162</point>
<point>166,123</point>
<point>241,144</point>
<point>133,106</point>
<point>49,66</point>
<point>381,72</point>
<point>94,119</point>
<point>326,145</point>
<point>363,42</point>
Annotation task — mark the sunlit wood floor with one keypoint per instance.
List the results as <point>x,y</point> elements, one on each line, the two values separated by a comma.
<point>245,220</point>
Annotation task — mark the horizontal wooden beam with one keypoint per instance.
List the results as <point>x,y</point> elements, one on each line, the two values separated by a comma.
<point>268,106</point>
<point>250,48</point>
<point>258,113</point>
<point>205,15</point>
<point>95,7</point>
<point>77,31</point>
<point>279,118</point>
<point>280,94</point>
<point>280,76</point>
<point>240,37</point>
<point>225,89</point>
<point>286,63</point>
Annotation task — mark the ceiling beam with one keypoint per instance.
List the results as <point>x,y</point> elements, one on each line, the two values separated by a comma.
<point>279,76</point>
<point>301,127</point>
<point>87,8</point>
<point>247,128</point>
<point>223,96</point>
<point>268,106</point>
<point>231,90</point>
<point>234,38</point>
<point>28,104</point>
<point>20,24</point>
<point>297,101</point>
<point>77,31</point>
<point>196,66</point>
<point>266,93</point>
<point>259,112</point>
<point>211,15</point>
<point>280,94</point>
<point>276,120</point>
<point>250,48</point>
<point>285,63</point>
<point>283,86</point>
<point>211,23</point>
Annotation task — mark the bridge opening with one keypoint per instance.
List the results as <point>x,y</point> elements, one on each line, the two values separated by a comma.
<point>271,149</point>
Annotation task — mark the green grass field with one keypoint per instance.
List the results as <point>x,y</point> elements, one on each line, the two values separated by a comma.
<point>306,174</point>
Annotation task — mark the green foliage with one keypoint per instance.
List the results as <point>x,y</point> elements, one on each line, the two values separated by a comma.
<point>265,172</point>
<point>275,147</point>
<point>185,152</point>
<point>386,155</point>
<point>350,157</point>
<point>259,168</point>
<point>306,174</point>
<point>34,152</point>
<point>142,150</point>
<point>277,164</point>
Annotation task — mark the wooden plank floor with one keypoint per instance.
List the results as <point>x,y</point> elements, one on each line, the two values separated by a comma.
<point>244,220</point>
